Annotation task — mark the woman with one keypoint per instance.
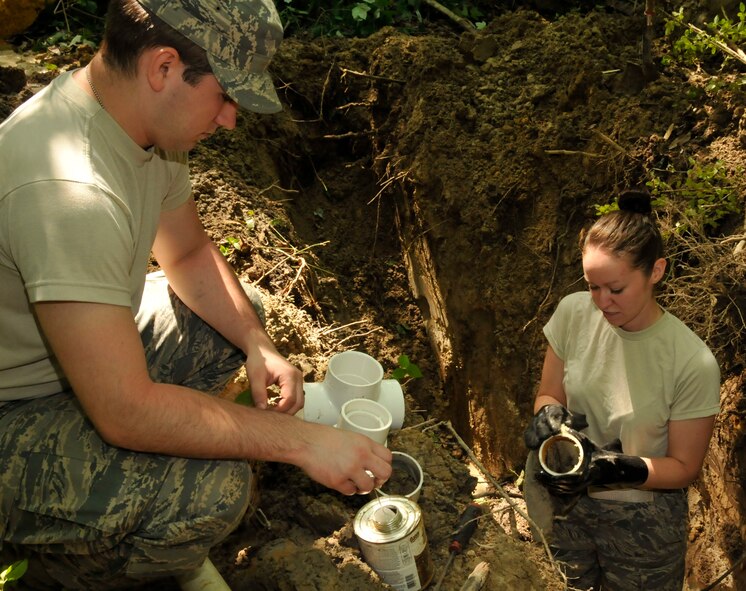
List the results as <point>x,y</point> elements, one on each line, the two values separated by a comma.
<point>636,376</point>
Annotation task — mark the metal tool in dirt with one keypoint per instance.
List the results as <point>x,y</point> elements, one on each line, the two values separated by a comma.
<point>467,525</point>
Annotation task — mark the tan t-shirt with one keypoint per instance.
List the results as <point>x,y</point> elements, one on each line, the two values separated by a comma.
<point>79,208</point>
<point>631,384</point>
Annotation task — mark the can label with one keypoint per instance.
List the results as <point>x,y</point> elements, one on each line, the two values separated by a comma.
<point>393,541</point>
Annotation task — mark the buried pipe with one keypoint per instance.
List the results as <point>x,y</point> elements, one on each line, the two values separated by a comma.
<point>351,375</point>
<point>406,478</point>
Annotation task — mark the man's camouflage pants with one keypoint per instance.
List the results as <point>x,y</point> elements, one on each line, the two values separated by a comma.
<point>91,516</point>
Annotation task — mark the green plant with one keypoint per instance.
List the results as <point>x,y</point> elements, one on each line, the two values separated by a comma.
<point>13,572</point>
<point>66,25</point>
<point>614,206</point>
<point>244,397</point>
<point>229,244</point>
<point>691,44</point>
<point>705,193</point>
<point>406,369</point>
<point>364,17</point>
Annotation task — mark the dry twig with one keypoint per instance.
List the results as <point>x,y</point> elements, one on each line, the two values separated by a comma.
<point>371,76</point>
<point>501,492</point>
<point>477,578</point>
<point>450,14</point>
<point>573,153</point>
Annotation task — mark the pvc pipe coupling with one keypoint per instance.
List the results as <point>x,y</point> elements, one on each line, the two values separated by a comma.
<point>561,454</point>
<point>350,375</point>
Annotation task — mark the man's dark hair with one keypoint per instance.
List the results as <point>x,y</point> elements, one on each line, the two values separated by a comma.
<point>132,29</point>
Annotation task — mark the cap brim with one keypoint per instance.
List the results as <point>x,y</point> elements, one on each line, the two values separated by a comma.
<point>253,91</point>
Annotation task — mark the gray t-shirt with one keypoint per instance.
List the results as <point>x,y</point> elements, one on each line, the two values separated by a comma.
<point>79,208</point>
<point>631,384</point>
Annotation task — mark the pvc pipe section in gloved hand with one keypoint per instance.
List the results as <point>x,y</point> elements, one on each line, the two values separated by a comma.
<point>351,374</point>
<point>561,454</point>
<point>204,578</point>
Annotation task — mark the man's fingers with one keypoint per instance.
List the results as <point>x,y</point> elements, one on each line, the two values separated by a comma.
<point>259,394</point>
<point>383,452</point>
<point>365,483</point>
<point>381,466</point>
<point>291,402</point>
<point>349,488</point>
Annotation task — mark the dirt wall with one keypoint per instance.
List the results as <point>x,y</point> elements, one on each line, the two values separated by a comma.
<point>492,150</point>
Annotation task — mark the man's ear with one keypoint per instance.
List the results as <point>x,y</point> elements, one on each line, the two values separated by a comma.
<point>659,268</point>
<point>161,64</point>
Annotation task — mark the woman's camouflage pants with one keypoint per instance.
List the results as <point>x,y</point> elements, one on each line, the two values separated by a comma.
<point>91,516</point>
<point>612,545</point>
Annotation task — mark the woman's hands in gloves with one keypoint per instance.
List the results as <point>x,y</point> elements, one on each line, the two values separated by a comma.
<point>548,421</point>
<point>602,466</point>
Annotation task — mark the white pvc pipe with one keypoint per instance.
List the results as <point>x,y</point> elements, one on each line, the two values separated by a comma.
<point>366,416</point>
<point>406,464</point>
<point>561,454</point>
<point>204,578</point>
<point>351,375</point>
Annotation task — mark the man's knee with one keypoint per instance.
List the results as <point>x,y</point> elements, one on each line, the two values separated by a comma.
<point>198,507</point>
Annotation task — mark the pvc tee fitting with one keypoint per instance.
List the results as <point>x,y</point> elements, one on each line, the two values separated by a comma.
<point>350,375</point>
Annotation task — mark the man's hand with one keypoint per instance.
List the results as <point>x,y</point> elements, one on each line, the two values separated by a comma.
<point>266,367</point>
<point>345,461</point>
<point>548,421</point>
<point>602,466</point>
<point>206,283</point>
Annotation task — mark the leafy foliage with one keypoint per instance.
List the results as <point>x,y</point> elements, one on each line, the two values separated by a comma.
<point>66,24</point>
<point>364,17</point>
<point>691,45</point>
<point>703,196</point>
<point>705,192</point>
<point>406,369</point>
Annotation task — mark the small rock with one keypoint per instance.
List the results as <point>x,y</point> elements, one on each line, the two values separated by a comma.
<point>18,15</point>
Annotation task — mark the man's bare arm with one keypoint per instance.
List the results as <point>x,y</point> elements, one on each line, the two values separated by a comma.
<point>206,283</point>
<point>100,351</point>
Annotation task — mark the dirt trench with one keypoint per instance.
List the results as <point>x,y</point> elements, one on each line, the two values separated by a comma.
<point>451,173</point>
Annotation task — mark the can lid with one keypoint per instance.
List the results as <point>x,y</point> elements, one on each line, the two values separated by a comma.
<point>386,519</point>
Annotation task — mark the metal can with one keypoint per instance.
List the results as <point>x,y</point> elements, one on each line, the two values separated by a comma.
<point>393,541</point>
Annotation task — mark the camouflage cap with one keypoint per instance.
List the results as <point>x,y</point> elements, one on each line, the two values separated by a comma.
<point>240,38</point>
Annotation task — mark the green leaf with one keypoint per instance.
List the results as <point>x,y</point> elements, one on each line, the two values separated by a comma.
<point>14,572</point>
<point>245,398</point>
<point>399,374</point>
<point>414,371</point>
<point>360,12</point>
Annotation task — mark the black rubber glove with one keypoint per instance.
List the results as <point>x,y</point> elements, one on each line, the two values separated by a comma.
<point>602,466</point>
<point>547,422</point>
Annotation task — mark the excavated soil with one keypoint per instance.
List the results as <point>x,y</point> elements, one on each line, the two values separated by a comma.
<point>421,196</point>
